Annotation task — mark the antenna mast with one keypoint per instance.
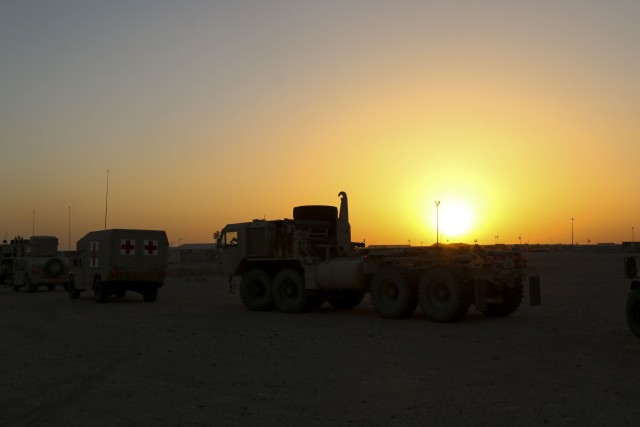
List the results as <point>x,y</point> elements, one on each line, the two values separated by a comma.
<point>106,202</point>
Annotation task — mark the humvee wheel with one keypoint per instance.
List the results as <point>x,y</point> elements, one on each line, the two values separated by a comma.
<point>11,282</point>
<point>345,300</point>
<point>288,291</point>
<point>71,289</point>
<point>255,290</point>
<point>511,299</point>
<point>31,287</point>
<point>150,295</point>
<point>392,295</point>
<point>633,311</point>
<point>441,296</point>
<point>100,291</point>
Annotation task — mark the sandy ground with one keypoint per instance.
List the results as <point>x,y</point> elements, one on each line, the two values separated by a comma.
<point>198,357</point>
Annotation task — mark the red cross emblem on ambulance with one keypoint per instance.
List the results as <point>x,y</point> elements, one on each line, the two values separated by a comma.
<point>127,247</point>
<point>150,247</point>
<point>93,255</point>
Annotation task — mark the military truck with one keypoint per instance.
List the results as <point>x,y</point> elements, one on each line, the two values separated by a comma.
<point>36,262</point>
<point>295,264</point>
<point>633,300</point>
<point>112,262</point>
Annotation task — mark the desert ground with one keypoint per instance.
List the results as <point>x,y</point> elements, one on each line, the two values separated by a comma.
<point>197,357</point>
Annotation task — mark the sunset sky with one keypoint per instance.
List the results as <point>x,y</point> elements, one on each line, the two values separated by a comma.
<point>516,115</point>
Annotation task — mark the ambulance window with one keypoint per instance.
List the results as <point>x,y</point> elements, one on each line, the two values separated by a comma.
<point>231,238</point>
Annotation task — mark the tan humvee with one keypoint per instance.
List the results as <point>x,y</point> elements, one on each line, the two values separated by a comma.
<point>112,262</point>
<point>37,262</point>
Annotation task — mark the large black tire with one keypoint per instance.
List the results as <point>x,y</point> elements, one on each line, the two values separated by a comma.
<point>100,291</point>
<point>633,311</point>
<point>345,300</point>
<point>71,289</point>
<point>442,297</point>
<point>150,295</point>
<point>288,291</point>
<point>511,299</point>
<point>392,294</point>
<point>256,290</point>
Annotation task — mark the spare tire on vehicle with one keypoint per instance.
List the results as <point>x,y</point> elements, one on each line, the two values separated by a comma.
<point>54,267</point>
<point>315,212</point>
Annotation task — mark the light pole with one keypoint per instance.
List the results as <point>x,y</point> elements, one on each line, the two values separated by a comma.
<point>633,239</point>
<point>437,225</point>
<point>106,201</point>
<point>571,231</point>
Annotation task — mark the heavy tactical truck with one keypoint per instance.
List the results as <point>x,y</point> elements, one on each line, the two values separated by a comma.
<point>36,262</point>
<point>112,262</point>
<point>295,264</point>
<point>633,300</point>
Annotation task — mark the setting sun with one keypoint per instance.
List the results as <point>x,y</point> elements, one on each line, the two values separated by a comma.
<point>454,220</point>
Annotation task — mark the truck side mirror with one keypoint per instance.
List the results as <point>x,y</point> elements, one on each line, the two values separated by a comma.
<point>630,267</point>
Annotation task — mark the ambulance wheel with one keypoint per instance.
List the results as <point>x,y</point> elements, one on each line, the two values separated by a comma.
<point>393,296</point>
<point>71,289</point>
<point>288,291</point>
<point>100,291</point>
<point>633,312</point>
<point>255,290</point>
<point>150,295</point>
<point>443,298</point>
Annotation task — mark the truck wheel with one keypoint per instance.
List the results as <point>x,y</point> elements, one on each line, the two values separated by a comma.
<point>443,298</point>
<point>100,291</point>
<point>392,295</point>
<point>71,289</point>
<point>289,292</point>
<point>255,290</point>
<point>511,299</point>
<point>31,287</point>
<point>345,300</point>
<point>150,295</point>
<point>633,312</point>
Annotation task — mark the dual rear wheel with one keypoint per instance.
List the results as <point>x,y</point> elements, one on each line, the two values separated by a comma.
<point>286,292</point>
<point>442,297</point>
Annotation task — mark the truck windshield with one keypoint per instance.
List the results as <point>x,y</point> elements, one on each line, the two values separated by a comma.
<point>230,238</point>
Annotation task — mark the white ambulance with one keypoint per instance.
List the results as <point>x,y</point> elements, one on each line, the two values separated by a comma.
<point>112,262</point>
